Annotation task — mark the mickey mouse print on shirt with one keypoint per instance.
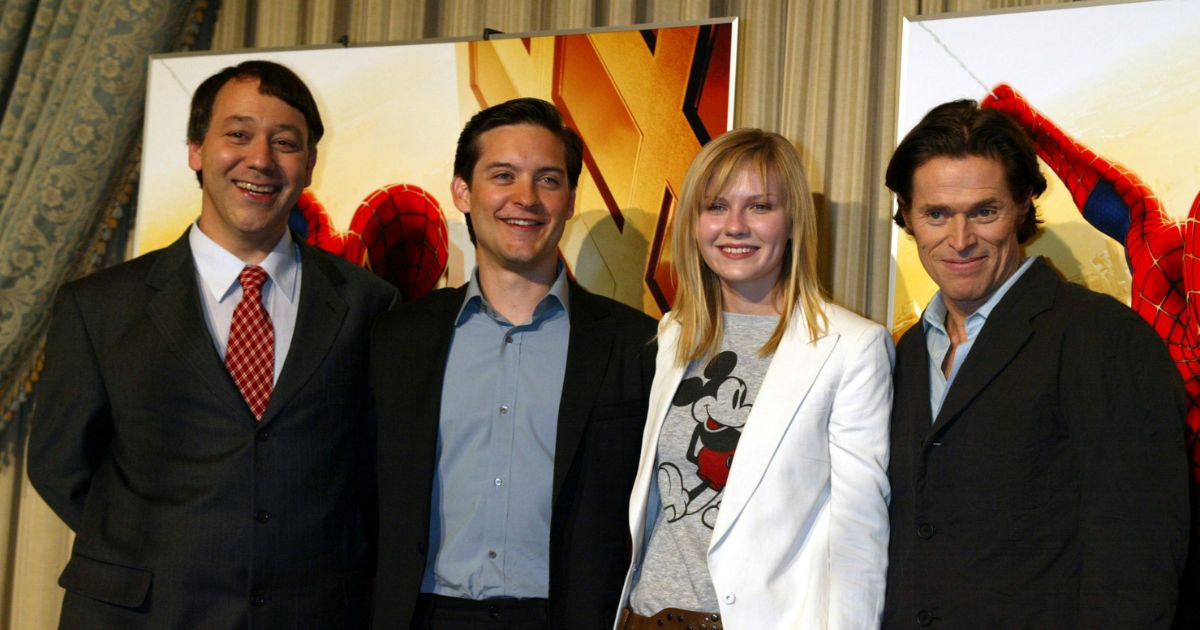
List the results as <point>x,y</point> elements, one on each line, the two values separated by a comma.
<point>719,404</point>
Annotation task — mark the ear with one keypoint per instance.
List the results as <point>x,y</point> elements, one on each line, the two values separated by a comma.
<point>571,205</point>
<point>460,192</point>
<point>312,163</point>
<point>195,156</point>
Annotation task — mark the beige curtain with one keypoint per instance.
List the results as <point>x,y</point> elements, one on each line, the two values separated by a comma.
<point>824,73</point>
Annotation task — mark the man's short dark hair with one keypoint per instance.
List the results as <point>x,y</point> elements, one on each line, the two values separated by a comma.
<point>273,80</point>
<point>518,111</point>
<point>959,129</point>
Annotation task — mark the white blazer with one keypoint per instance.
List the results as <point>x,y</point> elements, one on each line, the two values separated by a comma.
<point>801,538</point>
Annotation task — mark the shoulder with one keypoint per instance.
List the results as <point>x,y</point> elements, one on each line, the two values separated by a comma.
<point>846,322</point>
<point>1095,321</point>
<point>355,278</point>
<point>125,278</point>
<point>435,306</point>
<point>622,315</point>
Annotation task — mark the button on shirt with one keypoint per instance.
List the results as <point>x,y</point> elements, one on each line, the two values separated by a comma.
<point>937,340</point>
<point>217,277</point>
<point>490,518</point>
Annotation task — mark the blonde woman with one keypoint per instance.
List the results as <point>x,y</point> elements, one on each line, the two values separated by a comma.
<point>761,494</point>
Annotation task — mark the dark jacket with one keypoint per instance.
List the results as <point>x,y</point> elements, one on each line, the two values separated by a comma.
<point>189,514</point>
<point>610,366</point>
<point>1052,491</point>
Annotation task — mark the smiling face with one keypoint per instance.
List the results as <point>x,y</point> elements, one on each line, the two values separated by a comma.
<point>964,220</point>
<point>254,163</point>
<point>519,200</point>
<point>742,233</point>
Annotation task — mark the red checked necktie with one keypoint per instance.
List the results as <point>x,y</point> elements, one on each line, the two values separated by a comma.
<point>250,354</point>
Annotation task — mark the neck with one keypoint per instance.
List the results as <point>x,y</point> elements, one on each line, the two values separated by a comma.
<point>515,294</point>
<point>249,251</point>
<point>735,302</point>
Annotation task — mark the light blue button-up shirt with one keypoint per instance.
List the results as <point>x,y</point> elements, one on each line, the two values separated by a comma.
<point>492,488</point>
<point>937,339</point>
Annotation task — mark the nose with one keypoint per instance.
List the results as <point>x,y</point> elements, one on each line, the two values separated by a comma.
<point>962,236</point>
<point>259,155</point>
<point>735,223</point>
<point>525,193</point>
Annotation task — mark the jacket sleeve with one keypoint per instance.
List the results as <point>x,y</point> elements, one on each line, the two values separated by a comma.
<point>72,427</point>
<point>859,489</point>
<point>1124,403</point>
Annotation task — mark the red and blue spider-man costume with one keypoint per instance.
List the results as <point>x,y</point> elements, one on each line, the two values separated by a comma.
<point>1162,253</point>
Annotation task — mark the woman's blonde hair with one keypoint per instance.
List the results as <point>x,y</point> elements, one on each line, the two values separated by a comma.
<point>698,303</point>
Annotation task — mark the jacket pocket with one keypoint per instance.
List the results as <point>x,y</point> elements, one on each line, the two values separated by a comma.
<point>111,583</point>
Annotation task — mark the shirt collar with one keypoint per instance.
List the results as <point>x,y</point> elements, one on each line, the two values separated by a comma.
<point>559,294</point>
<point>935,313</point>
<point>219,269</point>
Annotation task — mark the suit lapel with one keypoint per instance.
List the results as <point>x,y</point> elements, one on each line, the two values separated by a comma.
<point>319,318</point>
<point>667,376</point>
<point>588,349</point>
<point>793,369</point>
<point>175,309</point>
<point>1006,331</point>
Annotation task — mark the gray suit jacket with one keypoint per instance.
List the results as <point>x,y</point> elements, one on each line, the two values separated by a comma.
<point>189,514</point>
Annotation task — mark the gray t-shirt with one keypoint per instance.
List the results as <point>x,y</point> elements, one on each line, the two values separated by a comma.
<point>695,451</point>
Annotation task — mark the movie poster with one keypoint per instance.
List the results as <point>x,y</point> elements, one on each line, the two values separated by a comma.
<point>643,100</point>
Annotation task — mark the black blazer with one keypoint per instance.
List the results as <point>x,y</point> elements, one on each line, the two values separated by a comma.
<point>1052,490</point>
<point>610,366</point>
<point>189,514</point>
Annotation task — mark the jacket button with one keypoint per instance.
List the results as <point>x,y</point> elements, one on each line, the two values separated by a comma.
<point>925,531</point>
<point>263,436</point>
<point>422,547</point>
<point>729,598</point>
<point>258,600</point>
<point>924,618</point>
<point>263,516</point>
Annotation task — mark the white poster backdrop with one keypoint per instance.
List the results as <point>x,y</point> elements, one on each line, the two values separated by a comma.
<point>1122,78</point>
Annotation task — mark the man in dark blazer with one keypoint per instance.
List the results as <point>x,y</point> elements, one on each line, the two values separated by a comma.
<point>1038,472</point>
<point>196,505</point>
<point>511,409</point>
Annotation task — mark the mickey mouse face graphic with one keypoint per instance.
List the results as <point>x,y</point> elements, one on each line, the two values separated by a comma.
<point>725,407</point>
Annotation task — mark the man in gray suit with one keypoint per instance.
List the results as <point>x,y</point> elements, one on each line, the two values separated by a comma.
<point>202,421</point>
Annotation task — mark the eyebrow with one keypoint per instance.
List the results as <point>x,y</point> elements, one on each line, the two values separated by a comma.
<point>250,119</point>
<point>990,201</point>
<point>510,166</point>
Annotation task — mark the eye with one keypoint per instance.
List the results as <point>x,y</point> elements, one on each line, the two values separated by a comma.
<point>551,180</point>
<point>761,206</point>
<point>935,215</point>
<point>502,176</point>
<point>237,134</point>
<point>287,145</point>
<point>985,214</point>
<point>715,207</point>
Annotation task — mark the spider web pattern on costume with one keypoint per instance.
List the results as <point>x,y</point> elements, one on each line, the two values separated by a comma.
<point>398,232</point>
<point>1161,253</point>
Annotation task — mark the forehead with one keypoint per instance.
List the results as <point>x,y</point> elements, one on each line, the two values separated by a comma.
<point>521,143</point>
<point>747,177</point>
<point>240,97</point>
<point>944,179</point>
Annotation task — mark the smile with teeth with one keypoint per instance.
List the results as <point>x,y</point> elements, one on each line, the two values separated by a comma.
<point>738,250</point>
<point>522,222</point>
<point>257,188</point>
